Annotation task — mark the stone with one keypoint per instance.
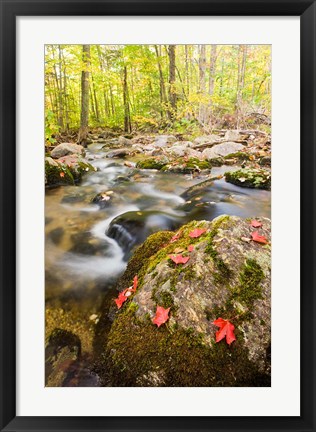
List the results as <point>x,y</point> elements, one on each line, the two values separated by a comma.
<point>124,141</point>
<point>119,153</point>
<point>164,140</point>
<point>232,135</point>
<point>250,177</point>
<point>65,149</point>
<point>225,277</point>
<point>132,228</point>
<point>206,140</point>
<point>222,149</point>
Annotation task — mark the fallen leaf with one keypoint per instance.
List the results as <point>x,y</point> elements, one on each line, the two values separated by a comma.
<point>178,250</point>
<point>258,238</point>
<point>197,232</point>
<point>226,328</point>
<point>256,224</point>
<point>190,248</point>
<point>179,259</point>
<point>162,316</point>
<point>62,174</point>
<point>175,237</point>
<point>121,299</point>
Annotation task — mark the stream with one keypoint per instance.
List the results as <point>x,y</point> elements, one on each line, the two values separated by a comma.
<point>87,245</point>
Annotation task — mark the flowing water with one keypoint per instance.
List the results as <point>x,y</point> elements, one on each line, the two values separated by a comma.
<point>88,245</point>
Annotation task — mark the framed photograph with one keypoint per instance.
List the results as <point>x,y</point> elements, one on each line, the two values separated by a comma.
<point>157,214</point>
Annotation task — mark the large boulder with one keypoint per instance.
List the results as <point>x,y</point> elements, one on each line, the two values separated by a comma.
<point>65,149</point>
<point>227,276</point>
<point>222,149</point>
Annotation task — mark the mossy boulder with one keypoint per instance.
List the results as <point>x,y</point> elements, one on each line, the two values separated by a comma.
<point>250,177</point>
<point>187,165</point>
<point>226,276</point>
<point>152,163</point>
<point>67,170</point>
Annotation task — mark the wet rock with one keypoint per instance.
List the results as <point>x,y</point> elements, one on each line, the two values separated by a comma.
<point>120,153</point>
<point>65,149</point>
<point>250,177</point>
<point>105,199</point>
<point>62,349</point>
<point>224,277</point>
<point>56,235</point>
<point>132,228</point>
<point>265,161</point>
<point>222,149</point>
<point>84,243</point>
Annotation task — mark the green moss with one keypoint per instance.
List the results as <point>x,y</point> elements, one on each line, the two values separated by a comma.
<point>139,262</point>
<point>152,163</point>
<point>252,178</point>
<point>62,174</point>
<point>163,298</point>
<point>223,273</point>
<point>238,155</point>
<point>249,288</point>
<point>136,348</point>
<point>187,166</point>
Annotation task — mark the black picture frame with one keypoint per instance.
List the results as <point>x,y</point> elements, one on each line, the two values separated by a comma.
<point>10,9</point>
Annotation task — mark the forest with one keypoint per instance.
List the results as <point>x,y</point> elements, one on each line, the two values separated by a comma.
<point>157,215</point>
<point>154,87</point>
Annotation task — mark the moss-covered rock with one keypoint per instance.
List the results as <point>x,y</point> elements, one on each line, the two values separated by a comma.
<point>67,170</point>
<point>250,177</point>
<point>225,277</point>
<point>152,163</point>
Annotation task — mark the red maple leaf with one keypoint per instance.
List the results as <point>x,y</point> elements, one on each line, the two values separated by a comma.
<point>162,316</point>
<point>121,299</point>
<point>258,238</point>
<point>175,238</point>
<point>226,328</point>
<point>179,259</point>
<point>190,248</point>
<point>197,232</point>
<point>256,224</point>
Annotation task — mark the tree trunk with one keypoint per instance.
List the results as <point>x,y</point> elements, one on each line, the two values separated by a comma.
<point>242,56</point>
<point>202,84</point>
<point>163,94</point>
<point>172,80</point>
<point>212,69</point>
<point>127,115</point>
<point>96,105</point>
<point>84,118</point>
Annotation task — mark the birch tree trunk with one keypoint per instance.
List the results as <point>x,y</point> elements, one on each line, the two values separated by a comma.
<point>84,117</point>
<point>172,80</point>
